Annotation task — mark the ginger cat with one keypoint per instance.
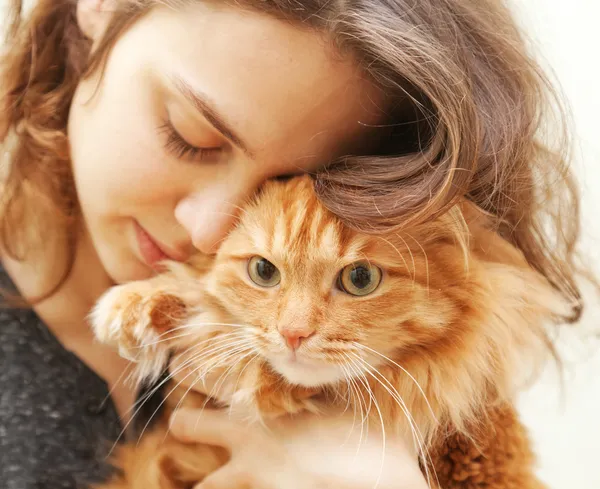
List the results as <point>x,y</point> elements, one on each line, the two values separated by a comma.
<point>435,322</point>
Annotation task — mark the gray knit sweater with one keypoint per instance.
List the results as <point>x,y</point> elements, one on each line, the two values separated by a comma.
<point>57,422</point>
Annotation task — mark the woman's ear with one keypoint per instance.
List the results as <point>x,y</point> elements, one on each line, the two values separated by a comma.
<point>93,17</point>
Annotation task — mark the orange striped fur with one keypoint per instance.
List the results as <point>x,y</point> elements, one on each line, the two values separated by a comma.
<point>445,337</point>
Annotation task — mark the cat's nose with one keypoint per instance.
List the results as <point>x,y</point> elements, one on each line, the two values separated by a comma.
<point>294,336</point>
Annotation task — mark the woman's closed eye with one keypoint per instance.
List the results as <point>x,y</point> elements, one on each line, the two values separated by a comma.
<point>176,145</point>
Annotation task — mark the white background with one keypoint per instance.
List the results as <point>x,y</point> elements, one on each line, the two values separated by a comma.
<point>565,423</point>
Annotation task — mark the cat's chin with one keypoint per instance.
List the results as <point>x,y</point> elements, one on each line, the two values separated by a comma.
<point>307,373</point>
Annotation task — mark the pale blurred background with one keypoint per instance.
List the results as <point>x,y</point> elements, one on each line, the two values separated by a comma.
<point>565,424</point>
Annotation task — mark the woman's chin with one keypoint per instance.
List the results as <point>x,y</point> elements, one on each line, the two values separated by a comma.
<point>121,271</point>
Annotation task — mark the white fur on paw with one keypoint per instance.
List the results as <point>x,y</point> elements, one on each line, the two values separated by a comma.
<point>112,314</point>
<point>106,319</point>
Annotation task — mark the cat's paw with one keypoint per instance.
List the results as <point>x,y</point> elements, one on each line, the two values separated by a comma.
<point>137,319</point>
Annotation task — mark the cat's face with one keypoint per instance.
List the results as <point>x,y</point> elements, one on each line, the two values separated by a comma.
<point>322,302</point>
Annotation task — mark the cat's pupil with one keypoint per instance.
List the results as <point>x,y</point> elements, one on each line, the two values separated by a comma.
<point>360,277</point>
<point>265,269</point>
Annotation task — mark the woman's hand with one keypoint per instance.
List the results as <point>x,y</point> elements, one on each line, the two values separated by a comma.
<point>304,452</point>
<point>257,460</point>
<point>300,452</point>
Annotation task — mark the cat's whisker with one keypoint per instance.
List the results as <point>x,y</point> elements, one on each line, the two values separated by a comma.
<point>215,351</point>
<point>263,344</point>
<point>221,359</point>
<point>412,256</point>
<point>357,403</point>
<point>243,210</point>
<point>139,403</point>
<point>189,324</point>
<point>137,406</point>
<point>383,435</point>
<point>193,324</point>
<point>199,367</point>
<point>222,378</point>
<point>426,258</point>
<point>215,343</point>
<point>170,330</point>
<point>194,346</point>
<point>413,273</point>
<point>162,402</point>
<point>248,363</point>
<point>221,342</point>
<point>231,349</point>
<point>218,350</point>
<point>130,367</point>
<point>132,376</point>
<point>222,213</point>
<point>387,359</point>
<point>180,402</point>
<point>380,415</point>
<point>246,353</point>
<point>192,384</point>
<point>347,394</point>
<point>171,317</point>
<point>366,258</point>
<point>164,340</point>
<point>220,339</point>
<point>190,387</point>
<point>365,366</point>
<point>216,338</point>
<point>208,366</point>
<point>391,390</point>
<point>356,379</point>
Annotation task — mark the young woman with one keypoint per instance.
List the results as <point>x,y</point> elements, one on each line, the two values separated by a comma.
<point>134,129</point>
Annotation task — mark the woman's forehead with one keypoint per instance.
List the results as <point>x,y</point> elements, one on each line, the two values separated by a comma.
<point>281,88</point>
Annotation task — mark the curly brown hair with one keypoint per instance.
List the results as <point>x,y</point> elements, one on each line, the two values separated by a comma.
<point>467,104</point>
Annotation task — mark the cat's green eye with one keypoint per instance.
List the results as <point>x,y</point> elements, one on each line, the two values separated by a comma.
<point>262,272</point>
<point>359,279</point>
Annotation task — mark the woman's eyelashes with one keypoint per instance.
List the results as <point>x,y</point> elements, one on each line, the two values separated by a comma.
<point>177,146</point>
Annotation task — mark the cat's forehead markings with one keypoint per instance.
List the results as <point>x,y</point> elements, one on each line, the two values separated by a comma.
<point>355,249</point>
<point>297,219</point>
<point>279,238</point>
<point>254,230</point>
<point>327,243</point>
<point>259,238</point>
<point>315,225</point>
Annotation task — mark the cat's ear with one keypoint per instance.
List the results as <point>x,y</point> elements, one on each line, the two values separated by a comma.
<point>516,281</point>
<point>483,237</point>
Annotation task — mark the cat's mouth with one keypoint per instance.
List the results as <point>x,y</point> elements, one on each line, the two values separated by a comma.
<point>302,370</point>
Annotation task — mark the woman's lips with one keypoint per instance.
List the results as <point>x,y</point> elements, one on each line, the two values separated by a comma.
<point>152,252</point>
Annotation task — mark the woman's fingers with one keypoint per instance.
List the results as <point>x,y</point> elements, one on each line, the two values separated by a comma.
<point>206,426</point>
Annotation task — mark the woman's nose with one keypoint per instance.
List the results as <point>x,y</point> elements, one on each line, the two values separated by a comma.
<point>208,216</point>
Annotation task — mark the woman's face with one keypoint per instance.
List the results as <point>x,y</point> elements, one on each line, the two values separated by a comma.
<point>195,110</point>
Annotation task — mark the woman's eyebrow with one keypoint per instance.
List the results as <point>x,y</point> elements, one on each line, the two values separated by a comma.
<point>201,103</point>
